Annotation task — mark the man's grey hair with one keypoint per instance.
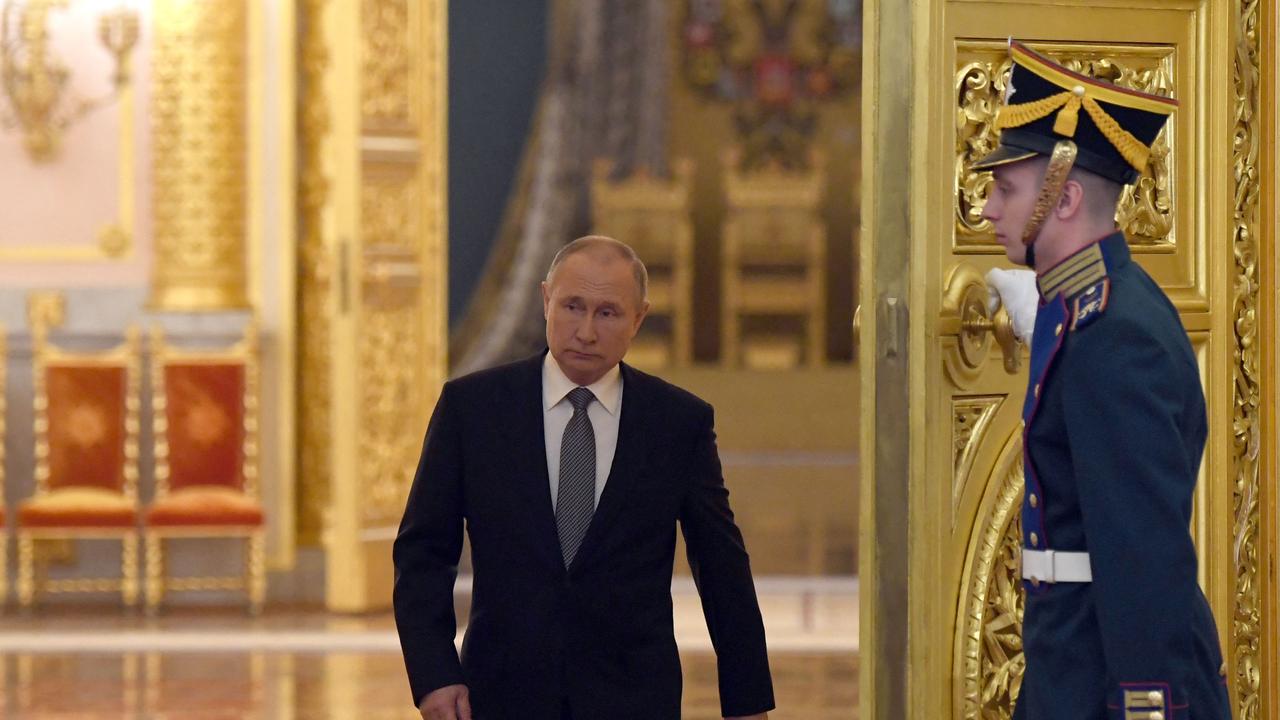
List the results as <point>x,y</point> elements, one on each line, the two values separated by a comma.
<point>624,251</point>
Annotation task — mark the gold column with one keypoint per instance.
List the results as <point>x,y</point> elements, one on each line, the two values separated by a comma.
<point>198,103</point>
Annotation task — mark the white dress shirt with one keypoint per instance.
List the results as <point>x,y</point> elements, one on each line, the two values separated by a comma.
<point>604,412</point>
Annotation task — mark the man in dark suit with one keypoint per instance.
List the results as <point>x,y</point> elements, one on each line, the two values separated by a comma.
<point>1115,624</point>
<point>570,471</point>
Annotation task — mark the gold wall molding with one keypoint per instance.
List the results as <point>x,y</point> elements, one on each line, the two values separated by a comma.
<point>989,646</point>
<point>314,191</point>
<point>1247,620</point>
<point>199,106</point>
<point>1146,208</point>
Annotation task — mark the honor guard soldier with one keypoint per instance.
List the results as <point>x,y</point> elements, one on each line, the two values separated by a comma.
<point>1115,624</point>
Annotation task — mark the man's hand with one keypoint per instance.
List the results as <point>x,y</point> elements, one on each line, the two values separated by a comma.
<point>1017,290</point>
<point>450,702</point>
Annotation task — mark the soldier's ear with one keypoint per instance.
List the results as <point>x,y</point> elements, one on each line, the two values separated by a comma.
<point>1071,202</point>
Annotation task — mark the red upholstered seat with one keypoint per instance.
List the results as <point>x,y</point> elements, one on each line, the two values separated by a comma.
<point>204,506</point>
<point>78,508</point>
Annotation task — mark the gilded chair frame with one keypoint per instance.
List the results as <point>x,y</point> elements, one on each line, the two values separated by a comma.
<point>616,205</point>
<point>31,579</point>
<point>253,580</point>
<point>788,194</point>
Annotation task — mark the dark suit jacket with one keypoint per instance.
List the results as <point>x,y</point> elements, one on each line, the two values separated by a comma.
<point>1115,429</point>
<point>598,635</point>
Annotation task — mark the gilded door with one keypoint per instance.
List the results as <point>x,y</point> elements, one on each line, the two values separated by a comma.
<point>381,87</point>
<point>942,483</point>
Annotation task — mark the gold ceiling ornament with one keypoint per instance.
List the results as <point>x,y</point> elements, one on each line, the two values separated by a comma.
<point>981,81</point>
<point>35,82</point>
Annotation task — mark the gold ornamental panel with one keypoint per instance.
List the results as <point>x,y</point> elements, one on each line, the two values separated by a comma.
<point>394,340</point>
<point>199,115</point>
<point>981,82</point>
<point>989,627</point>
<point>388,91</point>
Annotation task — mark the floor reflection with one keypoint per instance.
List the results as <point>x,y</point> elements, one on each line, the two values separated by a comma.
<point>338,686</point>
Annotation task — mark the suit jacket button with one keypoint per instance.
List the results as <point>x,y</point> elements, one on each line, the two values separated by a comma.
<point>1155,697</point>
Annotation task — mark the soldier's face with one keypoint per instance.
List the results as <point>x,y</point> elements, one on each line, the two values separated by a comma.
<point>1010,204</point>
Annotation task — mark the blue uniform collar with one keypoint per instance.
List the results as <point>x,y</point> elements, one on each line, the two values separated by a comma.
<point>1085,268</point>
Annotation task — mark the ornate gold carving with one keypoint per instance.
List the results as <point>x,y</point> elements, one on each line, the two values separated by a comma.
<point>1145,214</point>
<point>386,89</point>
<point>199,108</point>
<point>970,419</point>
<point>393,343</point>
<point>990,622</point>
<point>1247,619</point>
<point>314,463</point>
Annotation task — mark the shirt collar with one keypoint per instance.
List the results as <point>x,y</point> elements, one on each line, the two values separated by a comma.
<point>556,385</point>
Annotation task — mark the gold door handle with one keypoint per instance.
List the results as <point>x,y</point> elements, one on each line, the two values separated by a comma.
<point>966,319</point>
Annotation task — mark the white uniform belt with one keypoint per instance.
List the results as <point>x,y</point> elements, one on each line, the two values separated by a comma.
<point>1055,567</point>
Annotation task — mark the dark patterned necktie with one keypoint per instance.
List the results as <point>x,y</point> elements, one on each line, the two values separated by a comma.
<point>576,496</point>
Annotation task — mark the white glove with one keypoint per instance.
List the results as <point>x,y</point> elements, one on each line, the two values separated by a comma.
<point>1017,291</point>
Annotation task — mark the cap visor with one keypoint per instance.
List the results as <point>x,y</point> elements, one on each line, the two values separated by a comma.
<point>1003,155</point>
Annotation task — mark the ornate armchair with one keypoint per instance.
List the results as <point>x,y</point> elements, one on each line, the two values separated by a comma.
<point>205,419</point>
<point>652,215</point>
<point>774,265</point>
<point>86,476</point>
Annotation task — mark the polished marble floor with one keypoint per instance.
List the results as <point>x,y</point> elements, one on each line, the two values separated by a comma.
<point>76,663</point>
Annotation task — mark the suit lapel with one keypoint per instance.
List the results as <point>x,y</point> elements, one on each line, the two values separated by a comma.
<point>628,462</point>
<point>528,440</point>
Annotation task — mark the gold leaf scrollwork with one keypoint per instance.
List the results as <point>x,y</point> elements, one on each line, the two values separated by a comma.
<point>991,658</point>
<point>1247,618</point>
<point>1146,208</point>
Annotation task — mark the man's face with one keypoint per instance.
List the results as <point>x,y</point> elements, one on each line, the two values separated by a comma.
<point>1010,204</point>
<point>593,310</point>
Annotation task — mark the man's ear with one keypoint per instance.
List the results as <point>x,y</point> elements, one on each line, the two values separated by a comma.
<point>546,299</point>
<point>1071,202</point>
<point>644,310</point>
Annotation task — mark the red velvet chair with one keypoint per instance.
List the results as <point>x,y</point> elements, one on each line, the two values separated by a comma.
<point>205,418</point>
<point>86,483</point>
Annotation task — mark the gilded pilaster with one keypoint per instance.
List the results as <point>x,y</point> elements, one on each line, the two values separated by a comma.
<point>199,108</point>
<point>1247,620</point>
<point>314,123</point>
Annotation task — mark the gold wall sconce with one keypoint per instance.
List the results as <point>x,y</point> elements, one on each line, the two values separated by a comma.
<point>34,81</point>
